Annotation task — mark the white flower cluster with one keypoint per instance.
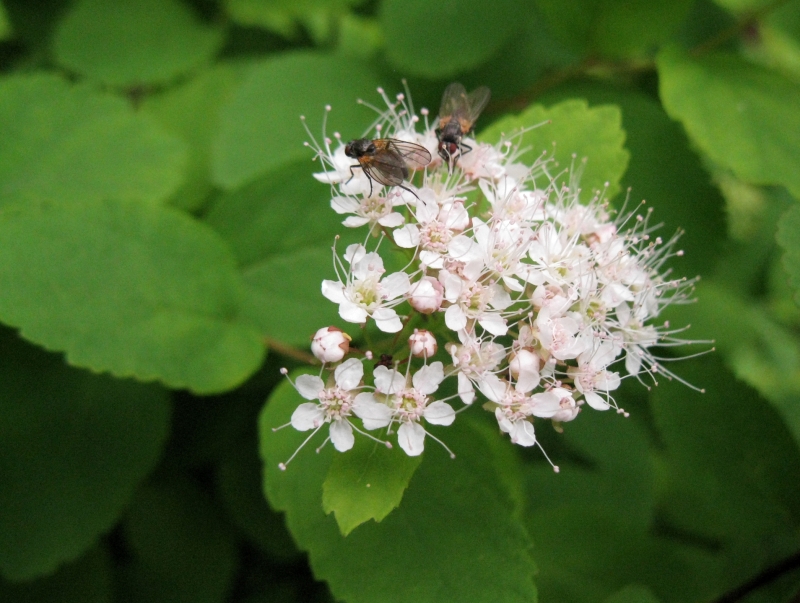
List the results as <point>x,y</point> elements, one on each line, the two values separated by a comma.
<point>544,298</point>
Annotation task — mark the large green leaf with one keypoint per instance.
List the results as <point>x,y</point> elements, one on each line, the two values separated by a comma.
<point>87,580</point>
<point>367,483</point>
<point>134,42</point>
<point>137,290</point>
<point>191,112</point>
<point>260,127</point>
<point>744,117</point>
<point>789,239</point>
<point>440,39</point>
<point>74,144</point>
<point>282,228</point>
<point>732,474</point>
<point>73,448</point>
<point>614,27</point>
<point>576,129</point>
<point>284,17</point>
<point>455,537</point>
<point>182,550</point>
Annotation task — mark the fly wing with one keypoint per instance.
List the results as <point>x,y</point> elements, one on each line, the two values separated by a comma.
<point>387,166</point>
<point>414,156</point>
<point>454,101</point>
<point>476,102</point>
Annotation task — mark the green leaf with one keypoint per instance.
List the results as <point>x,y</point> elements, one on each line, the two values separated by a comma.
<point>366,483</point>
<point>732,474</point>
<point>182,550</point>
<point>283,259</point>
<point>789,238</point>
<point>134,42</point>
<point>284,17</point>
<point>260,127</point>
<point>744,117</point>
<point>191,113</point>
<point>73,448</point>
<point>689,202</point>
<point>759,351</point>
<point>441,39</point>
<point>594,133</point>
<point>632,594</point>
<point>615,28</point>
<point>136,290</point>
<point>743,6</point>
<point>5,26</point>
<point>87,580</point>
<point>454,538</point>
<point>73,144</point>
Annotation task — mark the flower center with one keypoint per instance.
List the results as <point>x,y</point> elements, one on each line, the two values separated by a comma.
<point>336,402</point>
<point>409,404</point>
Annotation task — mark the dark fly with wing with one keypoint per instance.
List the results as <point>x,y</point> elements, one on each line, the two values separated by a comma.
<point>457,118</point>
<point>388,161</point>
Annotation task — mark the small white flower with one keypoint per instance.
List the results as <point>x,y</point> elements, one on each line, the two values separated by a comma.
<point>366,293</point>
<point>422,343</point>
<point>369,210</point>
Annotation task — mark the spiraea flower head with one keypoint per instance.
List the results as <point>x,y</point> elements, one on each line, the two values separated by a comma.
<point>542,297</point>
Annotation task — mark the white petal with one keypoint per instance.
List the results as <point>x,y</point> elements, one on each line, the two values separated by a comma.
<point>465,390</point>
<point>407,237</point>
<point>309,386</point>
<point>307,416</point>
<point>352,313</point>
<point>522,433</point>
<point>372,413</point>
<point>454,318</point>
<point>463,248</point>
<point>387,320</point>
<point>427,379</point>
<point>354,221</point>
<point>500,298</point>
<point>392,220</point>
<point>493,387</point>
<point>439,413</point>
<point>348,374</point>
<point>344,205</point>
<point>388,381</point>
<point>595,401</point>
<point>395,285</point>
<point>342,435</point>
<point>411,437</point>
<point>333,290</point>
<point>494,323</point>
<point>327,177</point>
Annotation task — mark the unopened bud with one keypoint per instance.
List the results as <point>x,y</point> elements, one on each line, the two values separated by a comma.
<point>425,295</point>
<point>423,344</point>
<point>330,344</point>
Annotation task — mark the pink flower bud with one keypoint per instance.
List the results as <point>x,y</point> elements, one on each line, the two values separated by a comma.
<point>425,295</point>
<point>330,344</point>
<point>423,344</point>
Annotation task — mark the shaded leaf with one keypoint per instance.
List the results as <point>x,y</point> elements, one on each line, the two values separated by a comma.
<point>87,580</point>
<point>191,112</point>
<point>73,448</point>
<point>615,28</point>
<point>134,42</point>
<point>182,550</point>
<point>440,39</point>
<point>744,117</point>
<point>285,17</point>
<point>73,144</point>
<point>488,561</point>
<point>260,127</point>
<point>593,133</point>
<point>5,26</point>
<point>137,290</point>
<point>789,238</point>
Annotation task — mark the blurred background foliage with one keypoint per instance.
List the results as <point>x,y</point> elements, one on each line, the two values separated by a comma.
<point>161,248</point>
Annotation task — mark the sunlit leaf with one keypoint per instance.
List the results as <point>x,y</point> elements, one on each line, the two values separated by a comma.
<point>134,42</point>
<point>74,144</point>
<point>137,290</point>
